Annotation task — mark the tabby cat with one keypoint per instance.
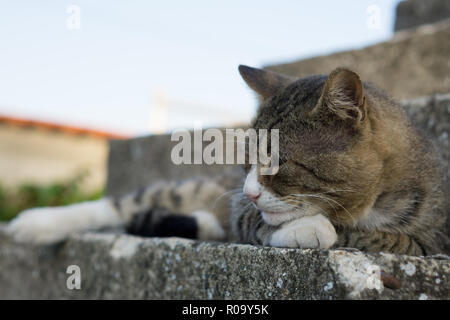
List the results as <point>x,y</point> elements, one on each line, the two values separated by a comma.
<point>353,173</point>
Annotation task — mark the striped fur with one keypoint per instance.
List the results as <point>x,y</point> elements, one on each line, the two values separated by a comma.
<point>350,153</point>
<point>147,210</point>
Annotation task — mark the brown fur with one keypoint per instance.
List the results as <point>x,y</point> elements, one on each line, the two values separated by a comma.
<point>345,140</point>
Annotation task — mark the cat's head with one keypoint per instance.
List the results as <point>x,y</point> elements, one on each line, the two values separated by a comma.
<point>328,162</point>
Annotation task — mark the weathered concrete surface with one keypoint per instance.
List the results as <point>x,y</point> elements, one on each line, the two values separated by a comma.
<point>432,115</point>
<point>125,267</point>
<point>413,63</point>
<point>413,13</point>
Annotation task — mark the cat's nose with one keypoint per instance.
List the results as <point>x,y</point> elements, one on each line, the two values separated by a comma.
<point>253,196</point>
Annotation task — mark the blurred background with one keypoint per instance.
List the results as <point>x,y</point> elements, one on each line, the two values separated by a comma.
<point>75,74</point>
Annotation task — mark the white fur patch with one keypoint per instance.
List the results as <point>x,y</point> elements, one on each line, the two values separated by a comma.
<point>251,185</point>
<point>287,213</point>
<point>209,227</point>
<point>275,211</point>
<point>307,232</point>
<point>52,224</point>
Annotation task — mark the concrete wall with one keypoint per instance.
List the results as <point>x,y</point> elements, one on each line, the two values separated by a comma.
<point>125,267</point>
<point>412,64</point>
<point>413,13</point>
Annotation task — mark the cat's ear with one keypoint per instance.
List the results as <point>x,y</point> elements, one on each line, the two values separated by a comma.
<point>343,96</point>
<point>263,82</point>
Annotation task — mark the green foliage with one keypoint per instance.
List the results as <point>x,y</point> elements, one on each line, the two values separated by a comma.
<point>31,195</point>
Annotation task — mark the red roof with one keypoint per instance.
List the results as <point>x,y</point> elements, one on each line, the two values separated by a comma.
<point>20,122</point>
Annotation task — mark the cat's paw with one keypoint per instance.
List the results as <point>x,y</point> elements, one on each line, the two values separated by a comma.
<point>38,226</point>
<point>209,227</point>
<point>307,232</point>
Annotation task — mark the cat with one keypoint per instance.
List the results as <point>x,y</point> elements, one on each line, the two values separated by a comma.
<point>353,172</point>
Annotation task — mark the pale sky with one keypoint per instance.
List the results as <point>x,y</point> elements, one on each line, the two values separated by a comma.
<point>106,74</point>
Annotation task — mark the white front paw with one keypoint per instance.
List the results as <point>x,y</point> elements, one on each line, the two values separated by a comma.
<point>307,232</point>
<point>39,226</point>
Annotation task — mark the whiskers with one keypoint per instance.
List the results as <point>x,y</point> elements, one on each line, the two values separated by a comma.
<point>237,191</point>
<point>334,204</point>
<point>248,205</point>
<point>294,202</point>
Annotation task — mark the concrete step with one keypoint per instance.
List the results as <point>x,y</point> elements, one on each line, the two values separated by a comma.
<point>124,267</point>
